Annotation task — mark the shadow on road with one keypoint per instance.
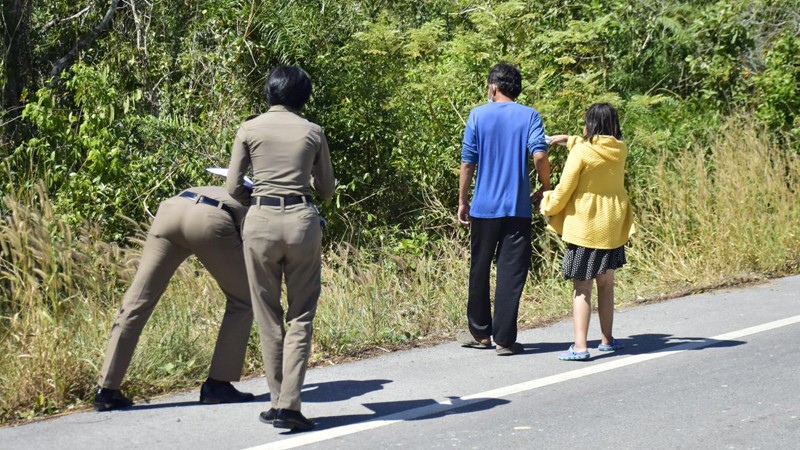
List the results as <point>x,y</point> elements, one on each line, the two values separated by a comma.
<point>654,343</point>
<point>411,410</point>
<point>635,345</point>
<point>145,406</point>
<point>334,391</point>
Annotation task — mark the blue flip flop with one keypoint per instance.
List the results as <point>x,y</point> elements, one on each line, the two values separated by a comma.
<point>572,355</point>
<point>614,345</point>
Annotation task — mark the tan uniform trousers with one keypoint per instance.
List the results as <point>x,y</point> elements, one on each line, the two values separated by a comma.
<point>284,241</point>
<point>181,228</point>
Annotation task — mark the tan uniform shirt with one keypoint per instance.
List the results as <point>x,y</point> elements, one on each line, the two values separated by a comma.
<point>288,153</point>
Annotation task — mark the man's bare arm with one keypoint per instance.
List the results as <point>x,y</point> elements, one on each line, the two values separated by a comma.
<point>464,183</point>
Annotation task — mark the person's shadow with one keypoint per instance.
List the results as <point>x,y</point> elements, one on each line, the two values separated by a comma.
<point>332,391</point>
<point>637,344</point>
<point>410,410</point>
<point>335,391</point>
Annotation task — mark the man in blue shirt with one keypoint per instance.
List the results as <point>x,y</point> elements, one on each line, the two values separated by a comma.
<point>499,138</point>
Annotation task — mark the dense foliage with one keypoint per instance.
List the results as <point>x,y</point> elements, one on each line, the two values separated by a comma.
<point>144,101</point>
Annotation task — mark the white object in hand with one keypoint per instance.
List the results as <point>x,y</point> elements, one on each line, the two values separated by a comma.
<point>223,172</point>
<point>549,139</point>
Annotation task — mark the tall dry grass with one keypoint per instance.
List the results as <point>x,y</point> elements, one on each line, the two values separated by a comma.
<point>47,274</point>
<point>706,216</point>
<point>718,213</point>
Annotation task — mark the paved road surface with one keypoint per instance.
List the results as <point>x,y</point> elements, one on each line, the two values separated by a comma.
<point>711,371</point>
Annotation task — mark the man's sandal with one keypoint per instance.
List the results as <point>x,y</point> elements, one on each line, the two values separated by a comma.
<point>466,339</point>
<point>513,349</point>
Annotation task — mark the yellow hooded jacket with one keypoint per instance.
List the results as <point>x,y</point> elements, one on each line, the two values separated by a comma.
<point>590,206</point>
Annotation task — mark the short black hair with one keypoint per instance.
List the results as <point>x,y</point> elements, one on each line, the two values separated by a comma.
<point>507,79</point>
<point>289,86</point>
<point>602,119</point>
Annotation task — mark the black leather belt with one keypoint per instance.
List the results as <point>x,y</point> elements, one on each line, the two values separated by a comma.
<point>207,201</point>
<point>276,201</point>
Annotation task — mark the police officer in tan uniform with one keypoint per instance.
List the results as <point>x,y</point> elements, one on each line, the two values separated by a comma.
<point>204,221</point>
<point>282,234</point>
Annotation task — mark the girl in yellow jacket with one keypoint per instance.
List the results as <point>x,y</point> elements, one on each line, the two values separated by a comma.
<point>591,211</point>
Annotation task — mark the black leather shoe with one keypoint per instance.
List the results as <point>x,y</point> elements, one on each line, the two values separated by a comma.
<point>268,416</point>
<point>214,392</point>
<point>293,420</point>
<point>108,399</point>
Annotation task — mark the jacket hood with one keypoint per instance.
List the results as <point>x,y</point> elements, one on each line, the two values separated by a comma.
<point>606,147</point>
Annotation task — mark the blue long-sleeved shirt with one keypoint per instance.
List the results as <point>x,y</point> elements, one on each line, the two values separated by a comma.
<point>499,138</point>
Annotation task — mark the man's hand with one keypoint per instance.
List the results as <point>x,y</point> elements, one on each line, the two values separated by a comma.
<point>466,173</point>
<point>463,214</point>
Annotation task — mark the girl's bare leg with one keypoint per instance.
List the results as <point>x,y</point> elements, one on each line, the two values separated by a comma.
<point>605,305</point>
<point>581,311</point>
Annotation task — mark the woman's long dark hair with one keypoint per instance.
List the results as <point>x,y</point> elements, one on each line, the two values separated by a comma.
<point>602,119</point>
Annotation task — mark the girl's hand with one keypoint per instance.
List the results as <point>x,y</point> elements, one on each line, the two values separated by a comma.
<point>559,139</point>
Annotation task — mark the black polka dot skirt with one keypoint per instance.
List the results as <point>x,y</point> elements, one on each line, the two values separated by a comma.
<point>581,263</point>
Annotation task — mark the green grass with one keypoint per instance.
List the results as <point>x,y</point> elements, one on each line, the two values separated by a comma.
<point>707,216</point>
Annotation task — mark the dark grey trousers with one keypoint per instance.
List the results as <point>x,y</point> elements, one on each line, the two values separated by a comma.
<point>508,241</point>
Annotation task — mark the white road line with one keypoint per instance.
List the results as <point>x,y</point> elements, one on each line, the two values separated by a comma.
<point>446,405</point>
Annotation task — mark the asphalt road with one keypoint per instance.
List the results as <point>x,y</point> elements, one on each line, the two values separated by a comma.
<point>710,371</point>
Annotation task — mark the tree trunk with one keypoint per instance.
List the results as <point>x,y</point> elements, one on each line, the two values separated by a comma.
<point>66,61</point>
<point>16,64</point>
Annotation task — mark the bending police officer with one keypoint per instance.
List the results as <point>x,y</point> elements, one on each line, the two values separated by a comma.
<point>203,221</point>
